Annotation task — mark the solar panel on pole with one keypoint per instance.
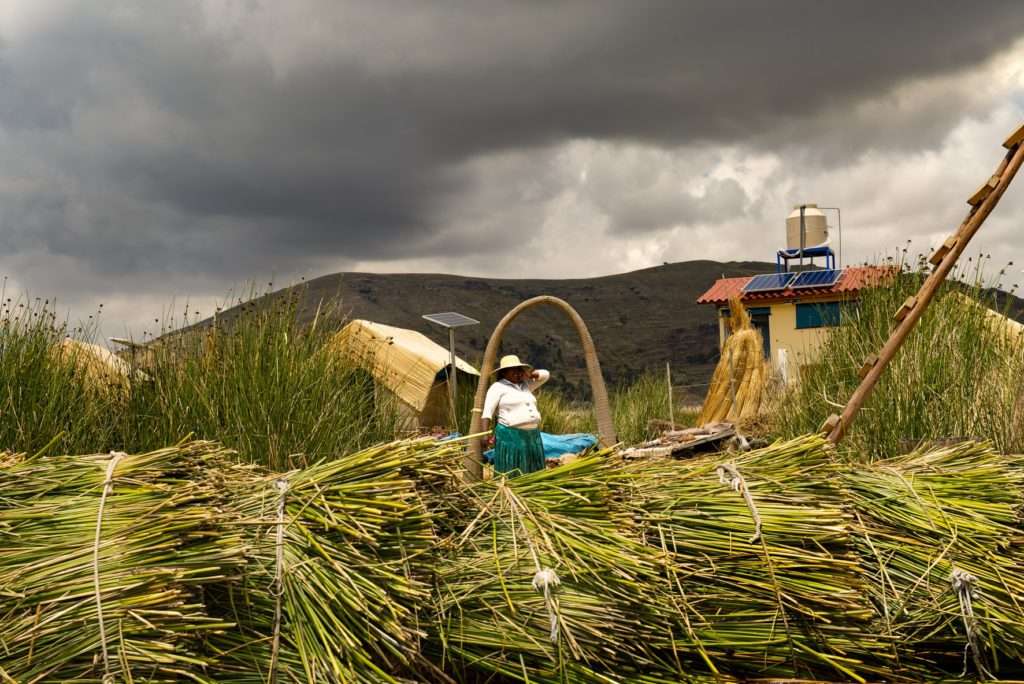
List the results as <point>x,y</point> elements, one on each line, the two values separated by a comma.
<point>451,320</point>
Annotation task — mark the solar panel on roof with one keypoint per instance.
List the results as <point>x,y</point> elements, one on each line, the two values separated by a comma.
<point>768,282</point>
<point>826,278</point>
<point>451,319</point>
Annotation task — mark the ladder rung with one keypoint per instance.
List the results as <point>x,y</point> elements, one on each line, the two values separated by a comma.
<point>869,363</point>
<point>906,308</point>
<point>830,424</point>
<point>1015,138</point>
<point>984,191</point>
<point>1007,158</point>
<point>943,250</point>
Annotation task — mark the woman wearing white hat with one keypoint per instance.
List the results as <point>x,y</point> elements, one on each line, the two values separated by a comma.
<point>517,443</point>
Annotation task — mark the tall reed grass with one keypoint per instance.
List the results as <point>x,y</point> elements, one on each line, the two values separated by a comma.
<point>259,383</point>
<point>46,398</point>
<point>958,374</point>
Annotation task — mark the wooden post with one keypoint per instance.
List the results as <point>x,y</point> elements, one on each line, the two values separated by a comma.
<point>838,425</point>
<point>671,405</point>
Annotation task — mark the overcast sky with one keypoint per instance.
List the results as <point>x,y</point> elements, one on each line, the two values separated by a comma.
<point>153,152</point>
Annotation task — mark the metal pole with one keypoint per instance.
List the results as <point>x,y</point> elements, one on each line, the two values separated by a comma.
<point>839,220</point>
<point>803,232</point>
<point>671,407</point>
<point>839,214</point>
<point>452,373</point>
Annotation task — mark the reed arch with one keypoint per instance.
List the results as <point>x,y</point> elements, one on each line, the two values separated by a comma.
<point>602,409</point>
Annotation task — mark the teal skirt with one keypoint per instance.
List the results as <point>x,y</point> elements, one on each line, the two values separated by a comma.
<point>517,450</point>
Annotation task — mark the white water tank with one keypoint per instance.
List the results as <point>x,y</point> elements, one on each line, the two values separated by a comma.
<point>815,227</point>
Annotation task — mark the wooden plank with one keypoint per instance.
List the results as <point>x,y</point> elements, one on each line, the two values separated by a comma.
<point>984,191</point>
<point>905,309</point>
<point>869,363</point>
<point>943,250</point>
<point>830,424</point>
<point>1015,138</point>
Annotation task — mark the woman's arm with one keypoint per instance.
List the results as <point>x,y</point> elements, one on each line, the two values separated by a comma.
<point>538,378</point>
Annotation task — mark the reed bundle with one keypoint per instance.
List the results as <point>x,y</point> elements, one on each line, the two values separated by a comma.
<point>767,584</point>
<point>737,386</point>
<point>336,569</point>
<point>941,540</point>
<point>102,564</point>
<point>544,585</point>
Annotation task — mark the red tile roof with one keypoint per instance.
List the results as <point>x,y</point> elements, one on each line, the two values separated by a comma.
<point>854,279</point>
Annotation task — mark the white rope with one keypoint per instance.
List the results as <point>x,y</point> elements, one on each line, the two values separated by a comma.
<point>543,581</point>
<point>963,585</point>
<point>278,591</point>
<point>729,475</point>
<point>108,487</point>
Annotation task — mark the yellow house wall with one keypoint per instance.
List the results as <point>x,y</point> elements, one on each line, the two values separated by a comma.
<point>802,346</point>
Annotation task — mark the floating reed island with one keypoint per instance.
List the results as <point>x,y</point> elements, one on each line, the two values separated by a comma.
<point>381,565</point>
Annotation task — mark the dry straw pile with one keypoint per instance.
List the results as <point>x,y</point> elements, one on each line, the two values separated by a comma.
<point>737,386</point>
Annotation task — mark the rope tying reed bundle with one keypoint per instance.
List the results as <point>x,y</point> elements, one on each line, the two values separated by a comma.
<point>543,581</point>
<point>108,487</point>
<point>545,578</point>
<point>963,585</point>
<point>728,474</point>
<point>282,488</point>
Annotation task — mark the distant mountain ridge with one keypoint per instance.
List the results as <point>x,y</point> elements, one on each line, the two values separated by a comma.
<point>639,320</point>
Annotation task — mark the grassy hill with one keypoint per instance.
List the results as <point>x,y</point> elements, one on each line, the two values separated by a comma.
<point>639,320</point>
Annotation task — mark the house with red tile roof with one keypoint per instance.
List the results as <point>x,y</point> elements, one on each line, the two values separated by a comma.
<point>793,311</point>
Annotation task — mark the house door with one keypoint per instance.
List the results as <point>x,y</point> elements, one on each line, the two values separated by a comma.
<point>760,317</point>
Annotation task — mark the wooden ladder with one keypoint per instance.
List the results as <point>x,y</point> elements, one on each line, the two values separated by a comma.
<point>982,202</point>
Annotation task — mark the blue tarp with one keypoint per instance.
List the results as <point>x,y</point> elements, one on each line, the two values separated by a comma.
<point>559,445</point>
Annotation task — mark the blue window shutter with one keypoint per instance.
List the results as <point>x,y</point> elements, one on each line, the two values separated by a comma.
<point>817,315</point>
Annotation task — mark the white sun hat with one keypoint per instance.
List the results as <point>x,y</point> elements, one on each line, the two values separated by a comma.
<point>510,361</point>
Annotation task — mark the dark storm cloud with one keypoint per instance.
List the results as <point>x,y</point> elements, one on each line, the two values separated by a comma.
<point>150,139</point>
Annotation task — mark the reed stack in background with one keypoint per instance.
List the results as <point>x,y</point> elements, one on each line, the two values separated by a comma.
<point>737,386</point>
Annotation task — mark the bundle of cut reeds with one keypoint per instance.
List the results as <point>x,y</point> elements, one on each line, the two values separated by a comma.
<point>544,585</point>
<point>103,560</point>
<point>763,570</point>
<point>737,385</point>
<point>337,563</point>
<point>940,537</point>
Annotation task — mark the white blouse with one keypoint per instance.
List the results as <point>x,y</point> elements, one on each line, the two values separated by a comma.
<point>515,404</point>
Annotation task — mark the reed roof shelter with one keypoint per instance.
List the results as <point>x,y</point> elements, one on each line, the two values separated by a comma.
<point>411,366</point>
